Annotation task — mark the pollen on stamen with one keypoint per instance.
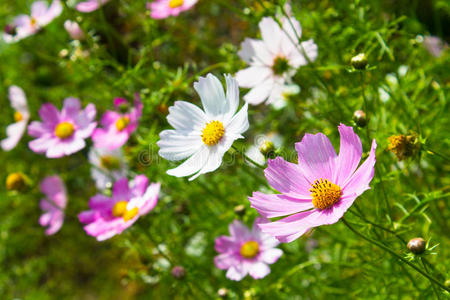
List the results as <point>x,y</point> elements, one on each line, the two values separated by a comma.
<point>212,133</point>
<point>325,193</point>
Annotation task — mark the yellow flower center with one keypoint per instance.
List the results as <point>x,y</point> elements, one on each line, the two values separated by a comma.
<point>325,194</point>
<point>280,65</point>
<point>403,146</point>
<point>64,130</point>
<point>122,123</point>
<point>175,3</point>
<point>120,210</point>
<point>33,22</point>
<point>212,133</point>
<point>18,116</point>
<point>109,162</point>
<point>15,182</point>
<point>249,249</point>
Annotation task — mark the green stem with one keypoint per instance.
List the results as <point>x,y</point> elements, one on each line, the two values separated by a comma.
<point>366,107</point>
<point>248,158</point>
<point>431,282</point>
<point>385,248</point>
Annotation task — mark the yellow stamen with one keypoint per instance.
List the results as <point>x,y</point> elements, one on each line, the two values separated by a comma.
<point>109,162</point>
<point>175,3</point>
<point>130,214</point>
<point>122,123</point>
<point>64,130</point>
<point>212,133</point>
<point>249,249</point>
<point>15,182</point>
<point>325,194</point>
<point>18,116</point>
<point>119,208</point>
<point>33,22</point>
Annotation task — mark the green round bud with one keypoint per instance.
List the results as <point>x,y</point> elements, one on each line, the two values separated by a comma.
<point>359,61</point>
<point>360,118</point>
<point>266,148</point>
<point>417,245</point>
<point>239,210</point>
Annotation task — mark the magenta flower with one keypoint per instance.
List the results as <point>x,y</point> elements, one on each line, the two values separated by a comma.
<point>53,204</point>
<point>74,30</point>
<point>319,189</point>
<point>117,127</point>
<point>161,9</point>
<point>109,216</point>
<point>90,5</point>
<point>24,25</point>
<point>62,133</point>
<point>246,252</point>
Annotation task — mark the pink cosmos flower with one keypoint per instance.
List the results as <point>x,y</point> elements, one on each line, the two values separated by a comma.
<point>62,133</point>
<point>90,5</point>
<point>53,204</point>
<point>161,9</point>
<point>246,251</point>
<point>74,30</point>
<point>274,60</point>
<point>319,189</point>
<point>24,25</point>
<point>109,216</point>
<point>16,130</point>
<point>117,127</point>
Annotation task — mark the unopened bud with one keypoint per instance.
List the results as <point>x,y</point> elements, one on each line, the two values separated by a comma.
<point>404,146</point>
<point>360,118</point>
<point>163,108</point>
<point>267,148</point>
<point>178,272</point>
<point>239,210</point>
<point>359,61</point>
<point>417,245</point>
<point>10,29</point>
<point>15,182</point>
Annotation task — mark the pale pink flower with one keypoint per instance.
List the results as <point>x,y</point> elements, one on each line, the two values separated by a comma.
<point>16,130</point>
<point>319,189</point>
<point>53,204</point>
<point>116,126</point>
<point>62,133</point>
<point>24,25</point>
<point>109,216</point>
<point>74,30</point>
<point>246,251</point>
<point>273,60</point>
<point>161,9</point>
<point>90,5</point>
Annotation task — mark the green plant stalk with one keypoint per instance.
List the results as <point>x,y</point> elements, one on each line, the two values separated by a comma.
<point>385,248</point>
<point>431,282</point>
<point>248,158</point>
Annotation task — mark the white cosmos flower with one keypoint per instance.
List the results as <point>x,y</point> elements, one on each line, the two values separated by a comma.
<point>108,166</point>
<point>273,60</point>
<point>203,136</point>
<point>16,130</point>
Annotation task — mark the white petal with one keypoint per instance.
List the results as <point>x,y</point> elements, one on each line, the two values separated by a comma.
<point>186,116</point>
<point>259,93</point>
<point>14,133</point>
<point>256,53</point>
<point>271,34</point>
<point>18,99</point>
<point>192,165</point>
<point>239,123</point>
<point>212,95</point>
<point>174,145</point>
<point>232,95</point>
<point>253,76</point>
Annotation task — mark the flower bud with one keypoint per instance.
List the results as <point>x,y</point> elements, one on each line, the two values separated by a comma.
<point>239,210</point>
<point>360,118</point>
<point>222,292</point>
<point>163,108</point>
<point>178,272</point>
<point>267,148</point>
<point>417,245</point>
<point>359,61</point>
<point>15,182</point>
<point>10,29</point>
<point>74,30</point>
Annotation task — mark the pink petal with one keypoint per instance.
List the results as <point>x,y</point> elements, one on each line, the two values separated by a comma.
<point>110,118</point>
<point>316,157</point>
<point>270,256</point>
<point>225,261</point>
<point>238,230</point>
<point>88,216</point>
<point>224,244</point>
<point>100,202</point>
<point>350,152</point>
<point>287,178</point>
<point>150,198</point>
<point>140,185</point>
<point>121,190</point>
<point>49,114</point>
<point>277,205</point>
<point>259,270</point>
<point>237,272</point>
<point>87,6</point>
<point>37,129</point>
<point>359,181</point>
